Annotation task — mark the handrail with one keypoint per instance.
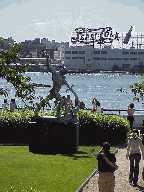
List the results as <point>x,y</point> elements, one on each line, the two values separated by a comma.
<point>119,110</point>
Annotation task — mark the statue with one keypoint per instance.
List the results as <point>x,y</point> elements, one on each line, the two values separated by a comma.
<point>59,79</point>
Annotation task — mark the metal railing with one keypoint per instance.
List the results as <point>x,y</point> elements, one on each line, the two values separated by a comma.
<point>117,110</point>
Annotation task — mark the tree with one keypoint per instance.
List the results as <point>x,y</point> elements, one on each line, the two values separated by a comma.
<point>137,89</point>
<point>24,89</point>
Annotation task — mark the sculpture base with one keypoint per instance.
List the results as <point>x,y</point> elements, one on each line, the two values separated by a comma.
<point>50,136</point>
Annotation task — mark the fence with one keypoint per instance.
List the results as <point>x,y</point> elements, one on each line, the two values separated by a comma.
<point>138,119</point>
<point>117,110</point>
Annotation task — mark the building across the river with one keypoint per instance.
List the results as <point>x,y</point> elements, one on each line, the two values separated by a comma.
<point>89,58</point>
<point>106,57</point>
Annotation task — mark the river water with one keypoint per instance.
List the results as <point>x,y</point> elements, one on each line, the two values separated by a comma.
<point>102,86</point>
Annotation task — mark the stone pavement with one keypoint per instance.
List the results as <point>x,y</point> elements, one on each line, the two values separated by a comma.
<point>121,175</point>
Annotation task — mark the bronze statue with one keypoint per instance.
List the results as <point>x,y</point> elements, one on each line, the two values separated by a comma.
<point>59,79</point>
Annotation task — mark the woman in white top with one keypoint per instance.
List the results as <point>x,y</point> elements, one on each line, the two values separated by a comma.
<point>133,152</point>
<point>98,109</point>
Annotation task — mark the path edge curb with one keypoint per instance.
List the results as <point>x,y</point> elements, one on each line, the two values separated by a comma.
<point>89,178</point>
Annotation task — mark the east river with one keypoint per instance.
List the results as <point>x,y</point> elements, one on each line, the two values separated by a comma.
<point>102,86</point>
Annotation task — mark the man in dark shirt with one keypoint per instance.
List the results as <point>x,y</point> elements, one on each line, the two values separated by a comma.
<point>106,168</point>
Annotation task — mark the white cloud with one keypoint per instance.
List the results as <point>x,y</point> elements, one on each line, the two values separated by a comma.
<point>40,24</point>
<point>36,18</point>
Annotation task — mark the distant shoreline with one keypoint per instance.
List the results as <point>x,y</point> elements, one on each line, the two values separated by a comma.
<point>87,71</point>
<point>43,68</point>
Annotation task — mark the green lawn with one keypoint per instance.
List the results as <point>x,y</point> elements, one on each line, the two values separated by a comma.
<point>54,173</point>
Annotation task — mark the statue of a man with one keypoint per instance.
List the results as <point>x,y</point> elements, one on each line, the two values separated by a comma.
<point>58,78</point>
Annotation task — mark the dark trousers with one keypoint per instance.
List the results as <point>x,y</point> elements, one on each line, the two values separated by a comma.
<point>134,169</point>
<point>131,120</point>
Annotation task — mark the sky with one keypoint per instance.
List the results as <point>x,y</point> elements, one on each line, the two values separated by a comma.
<point>29,19</point>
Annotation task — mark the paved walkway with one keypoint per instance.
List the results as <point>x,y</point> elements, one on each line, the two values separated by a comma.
<point>121,176</point>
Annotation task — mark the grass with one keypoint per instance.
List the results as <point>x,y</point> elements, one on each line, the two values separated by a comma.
<point>54,173</point>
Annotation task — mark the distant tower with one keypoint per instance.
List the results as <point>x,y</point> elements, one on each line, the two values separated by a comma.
<point>128,36</point>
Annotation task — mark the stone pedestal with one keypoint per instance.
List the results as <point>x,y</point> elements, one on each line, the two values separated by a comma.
<point>48,135</point>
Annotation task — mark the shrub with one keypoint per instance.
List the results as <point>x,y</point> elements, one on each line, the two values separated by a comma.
<point>15,118</point>
<point>93,128</point>
<point>14,126</point>
<point>97,128</point>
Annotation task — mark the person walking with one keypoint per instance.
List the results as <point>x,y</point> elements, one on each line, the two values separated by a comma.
<point>98,109</point>
<point>68,101</point>
<point>13,105</point>
<point>82,105</point>
<point>5,104</point>
<point>106,168</point>
<point>94,103</point>
<point>130,116</point>
<point>133,153</point>
<point>76,102</point>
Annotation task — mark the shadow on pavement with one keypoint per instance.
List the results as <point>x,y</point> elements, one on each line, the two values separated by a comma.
<point>140,188</point>
<point>120,146</point>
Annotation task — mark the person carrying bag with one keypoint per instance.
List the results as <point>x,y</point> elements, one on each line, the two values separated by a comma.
<point>106,168</point>
<point>133,153</point>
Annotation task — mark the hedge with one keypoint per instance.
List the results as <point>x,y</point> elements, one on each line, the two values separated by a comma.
<point>14,126</point>
<point>93,128</point>
<point>98,128</point>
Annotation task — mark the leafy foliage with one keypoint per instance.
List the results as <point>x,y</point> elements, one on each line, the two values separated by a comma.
<point>102,127</point>
<point>24,89</point>
<point>137,89</point>
<point>15,76</point>
<point>105,127</point>
<point>14,126</point>
<point>132,135</point>
<point>15,118</point>
<point>3,92</point>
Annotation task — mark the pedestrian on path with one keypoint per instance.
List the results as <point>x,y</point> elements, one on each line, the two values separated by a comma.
<point>98,109</point>
<point>106,168</point>
<point>133,152</point>
<point>94,103</point>
<point>5,104</point>
<point>130,116</point>
<point>13,105</point>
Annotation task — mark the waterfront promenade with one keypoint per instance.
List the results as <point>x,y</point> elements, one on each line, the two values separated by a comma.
<point>121,175</point>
